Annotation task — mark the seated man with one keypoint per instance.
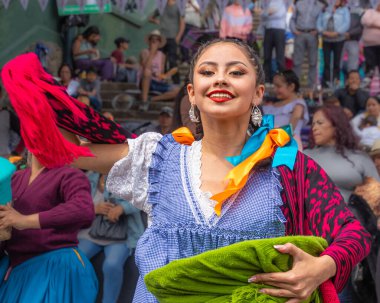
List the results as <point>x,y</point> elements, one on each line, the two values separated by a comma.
<point>154,78</point>
<point>352,98</point>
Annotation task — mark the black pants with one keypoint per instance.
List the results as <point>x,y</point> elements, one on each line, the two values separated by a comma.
<point>336,49</point>
<point>273,39</point>
<point>170,50</point>
<point>372,57</point>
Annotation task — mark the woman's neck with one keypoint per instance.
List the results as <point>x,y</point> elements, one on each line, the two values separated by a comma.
<point>65,82</point>
<point>36,166</point>
<point>224,139</point>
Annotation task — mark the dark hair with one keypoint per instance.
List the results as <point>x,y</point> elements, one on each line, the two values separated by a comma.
<point>249,52</point>
<point>177,120</point>
<point>353,71</point>
<point>65,65</point>
<point>374,98</point>
<point>118,41</point>
<point>92,70</point>
<point>371,120</point>
<point>344,135</point>
<point>91,30</point>
<point>290,78</point>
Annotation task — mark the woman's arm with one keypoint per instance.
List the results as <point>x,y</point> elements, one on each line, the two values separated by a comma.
<point>77,207</point>
<point>327,216</point>
<point>105,155</point>
<point>297,115</point>
<point>9,217</point>
<point>77,51</point>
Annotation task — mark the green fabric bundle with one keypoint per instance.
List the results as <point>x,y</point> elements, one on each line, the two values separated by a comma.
<point>221,275</point>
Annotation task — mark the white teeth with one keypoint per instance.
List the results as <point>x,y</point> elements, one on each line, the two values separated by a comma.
<point>220,95</point>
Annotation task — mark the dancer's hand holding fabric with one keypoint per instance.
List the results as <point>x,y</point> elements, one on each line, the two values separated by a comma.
<point>307,273</point>
<point>9,217</point>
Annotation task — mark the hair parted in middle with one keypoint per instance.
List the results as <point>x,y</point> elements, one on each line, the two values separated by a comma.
<point>248,51</point>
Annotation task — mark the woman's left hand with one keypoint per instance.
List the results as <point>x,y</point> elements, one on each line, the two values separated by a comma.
<point>306,275</point>
<point>9,217</point>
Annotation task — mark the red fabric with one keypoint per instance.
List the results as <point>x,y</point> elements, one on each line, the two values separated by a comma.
<point>313,205</point>
<point>29,88</point>
<point>118,55</point>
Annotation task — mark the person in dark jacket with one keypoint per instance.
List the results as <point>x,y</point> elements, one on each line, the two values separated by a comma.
<point>352,98</point>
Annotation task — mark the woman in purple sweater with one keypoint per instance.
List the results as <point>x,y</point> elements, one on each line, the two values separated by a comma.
<point>43,263</point>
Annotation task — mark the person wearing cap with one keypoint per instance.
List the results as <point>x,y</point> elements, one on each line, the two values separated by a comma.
<point>375,154</point>
<point>164,125</point>
<point>125,72</point>
<point>172,26</point>
<point>165,120</point>
<point>154,77</point>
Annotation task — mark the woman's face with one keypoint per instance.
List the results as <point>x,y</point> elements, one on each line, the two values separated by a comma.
<point>94,38</point>
<point>282,89</point>
<point>322,129</point>
<point>373,107</point>
<point>224,83</point>
<point>65,74</point>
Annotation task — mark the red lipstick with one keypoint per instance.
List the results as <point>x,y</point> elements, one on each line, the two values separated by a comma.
<point>220,95</point>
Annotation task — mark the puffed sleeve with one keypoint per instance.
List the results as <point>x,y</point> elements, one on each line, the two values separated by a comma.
<point>128,178</point>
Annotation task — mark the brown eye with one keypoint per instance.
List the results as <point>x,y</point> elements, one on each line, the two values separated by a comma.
<point>206,72</point>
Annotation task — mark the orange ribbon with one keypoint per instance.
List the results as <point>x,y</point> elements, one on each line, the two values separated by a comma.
<point>238,176</point>
<point>183,135</point>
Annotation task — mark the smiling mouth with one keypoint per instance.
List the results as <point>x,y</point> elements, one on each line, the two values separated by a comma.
<point>220,96</point>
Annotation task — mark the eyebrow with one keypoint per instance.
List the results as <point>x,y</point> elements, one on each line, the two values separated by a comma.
<point>228,63</point>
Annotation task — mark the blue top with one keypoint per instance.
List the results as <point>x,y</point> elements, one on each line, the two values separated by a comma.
<point>180,229</point>
<point>277,18</point>
<point>6,171</point>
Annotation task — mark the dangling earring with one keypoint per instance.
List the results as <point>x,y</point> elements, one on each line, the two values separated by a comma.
<point>193,117</point>
<point>256,116</point>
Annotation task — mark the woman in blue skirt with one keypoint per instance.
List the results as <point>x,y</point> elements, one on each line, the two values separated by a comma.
<point>42,261</point>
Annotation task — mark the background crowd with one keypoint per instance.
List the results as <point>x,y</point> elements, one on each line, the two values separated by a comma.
<point>333,107</point>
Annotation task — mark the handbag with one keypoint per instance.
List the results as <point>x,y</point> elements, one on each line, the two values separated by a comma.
<point>104,229</point>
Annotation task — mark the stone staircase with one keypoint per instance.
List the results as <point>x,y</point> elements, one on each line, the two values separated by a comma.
<point>122,100</point>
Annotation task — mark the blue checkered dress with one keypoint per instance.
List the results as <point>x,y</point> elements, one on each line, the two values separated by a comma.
<point>179,229</point>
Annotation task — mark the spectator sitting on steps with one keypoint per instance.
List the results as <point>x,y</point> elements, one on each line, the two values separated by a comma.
<point>90,89</point>
<point>352,98</point>
<point>126,72</point>
<point>154,78</point>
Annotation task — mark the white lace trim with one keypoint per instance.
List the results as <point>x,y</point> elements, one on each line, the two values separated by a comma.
<point>195,169</point>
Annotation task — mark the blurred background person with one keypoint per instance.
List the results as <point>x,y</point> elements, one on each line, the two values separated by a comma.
<point>236,22</point>
<point>86,55</point>
<point>372,109</point>
<point>273,15</point>
<point>370,38</point>
<point>375,154</point>
<point>153,75</point>
<point>116,252</point>
<point>65,74</point>
<point>333,24</point>
<point>290,107</point>
<point>335,147</point>
<point>351,46</point>
<point>303,25</point>
<point>125,71</point>
<point>89,88</point>
<point>172,27</point>
<point>352,97</point>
